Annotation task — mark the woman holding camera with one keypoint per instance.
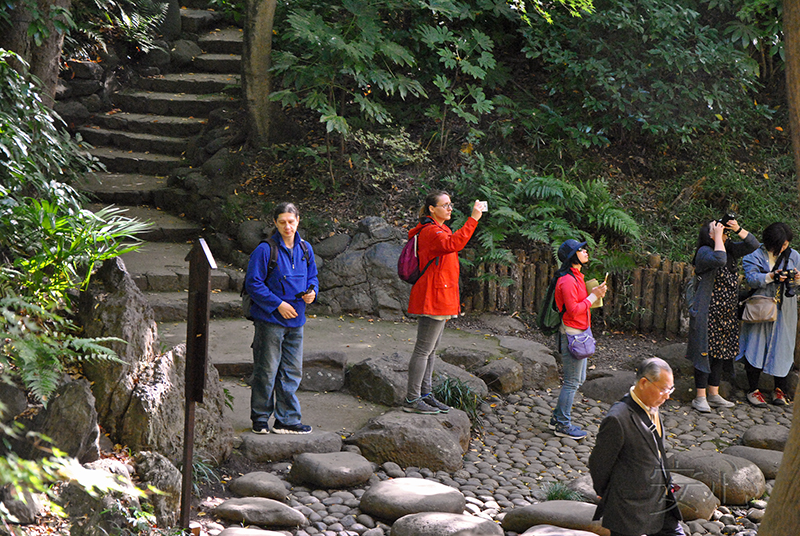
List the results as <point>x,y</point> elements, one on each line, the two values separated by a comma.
<point>771,270</point>
<point>713,313</point>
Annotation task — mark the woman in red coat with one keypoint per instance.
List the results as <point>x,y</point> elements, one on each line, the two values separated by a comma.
<point>435,295</point>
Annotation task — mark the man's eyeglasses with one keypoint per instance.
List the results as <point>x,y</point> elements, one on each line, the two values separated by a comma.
<point>446,206</point>
<point>667,391</point>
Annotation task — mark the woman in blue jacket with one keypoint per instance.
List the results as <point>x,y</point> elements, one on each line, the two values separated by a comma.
<point>280,286</point>
<point>769,346</point>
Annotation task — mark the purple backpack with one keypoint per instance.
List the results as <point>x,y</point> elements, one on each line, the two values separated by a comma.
<point>408,263</point>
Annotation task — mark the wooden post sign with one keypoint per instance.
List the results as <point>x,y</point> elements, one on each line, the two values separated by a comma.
<point>201,262</point>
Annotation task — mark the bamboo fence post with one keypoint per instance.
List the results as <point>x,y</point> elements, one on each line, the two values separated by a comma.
<point>491,288</point>
<point>660,301</point>
<point>636,296</point>
<point>674,298</point>
<point>502,289</point>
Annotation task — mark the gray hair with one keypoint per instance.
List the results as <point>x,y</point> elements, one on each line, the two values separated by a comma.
<point>651,368</point>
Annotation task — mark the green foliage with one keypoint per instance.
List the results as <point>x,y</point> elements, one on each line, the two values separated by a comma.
<point>40,344</point>
<point>133,24</point>
<point>456,393</point>
<point>338,56</point>
<point>525,207</point>
<point>377,159</point>
<point>760,191</point>
<point>558,491</point>
<point>233,10</point>
<point>38,21</point>
<point>203,472</point>
<point>642,66</point>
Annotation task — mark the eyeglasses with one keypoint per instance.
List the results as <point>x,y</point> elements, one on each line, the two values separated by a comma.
<point>583,250</point>
<point>446,206</point>
<point>667,391</point>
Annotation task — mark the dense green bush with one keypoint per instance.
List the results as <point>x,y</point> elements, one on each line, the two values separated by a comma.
<point>525,207</point>
<point>643,66</point>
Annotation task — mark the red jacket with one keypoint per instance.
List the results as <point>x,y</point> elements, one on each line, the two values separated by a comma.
<point>436,292</point>
<point>571,291</point>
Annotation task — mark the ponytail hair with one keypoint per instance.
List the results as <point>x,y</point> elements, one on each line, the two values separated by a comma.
<point>431,199</point>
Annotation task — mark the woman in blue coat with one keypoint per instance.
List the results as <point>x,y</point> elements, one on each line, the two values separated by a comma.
<point>769,346</point>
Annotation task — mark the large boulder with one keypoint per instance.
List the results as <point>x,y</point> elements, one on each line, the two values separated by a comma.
<point>695,499</point>
<point>566,514</point>
<point>260,511</point>
<point>69,421</point>
<point>323,371</point>
<point>384,379</point>
<point>331,470</point>
<point>734,480</point>
<point>279,447</point>
<point>467,358</point>
<point>363,278</point>
<point>769,461</point>
<point>539,367</point>
<point>140,400</point>
<point>392,499</point>
<point>437,442</point>
<point>609,385</point>
<point>443,524</point>
<point>156,471</point>
<point>502,375</point>
<point>762,436</point>
<point>13,400</point>
<point>259,484</point>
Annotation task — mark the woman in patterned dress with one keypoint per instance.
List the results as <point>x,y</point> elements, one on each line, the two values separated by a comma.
<point>713,313</point>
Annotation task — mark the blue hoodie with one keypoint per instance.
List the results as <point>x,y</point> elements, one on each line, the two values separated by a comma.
<point>292,275</point>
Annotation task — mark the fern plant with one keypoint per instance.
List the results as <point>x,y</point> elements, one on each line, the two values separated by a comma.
<point>456,393</point>
<point>526,207</point>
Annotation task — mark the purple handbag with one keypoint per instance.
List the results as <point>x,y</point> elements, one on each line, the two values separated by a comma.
<point>581,345</point>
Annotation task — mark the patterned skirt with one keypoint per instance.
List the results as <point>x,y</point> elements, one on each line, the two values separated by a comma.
<point>723,317</point>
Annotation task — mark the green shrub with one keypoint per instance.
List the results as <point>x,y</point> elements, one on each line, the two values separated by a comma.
<point>558,491</point>
<point>456,393</point>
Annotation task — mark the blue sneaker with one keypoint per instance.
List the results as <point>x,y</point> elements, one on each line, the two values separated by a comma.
<point>553,423</point>
<point>571,431</point>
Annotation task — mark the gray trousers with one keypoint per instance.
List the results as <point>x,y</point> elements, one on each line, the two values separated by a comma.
<point>420,368</point>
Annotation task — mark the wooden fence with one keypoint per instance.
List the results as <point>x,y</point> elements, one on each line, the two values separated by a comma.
<point>647,299</point>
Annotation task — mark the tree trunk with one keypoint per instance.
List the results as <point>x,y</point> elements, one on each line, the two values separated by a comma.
<point>791,45</point>
<point>783,511</point>
<point>43,60</point>
<point>256,62</point>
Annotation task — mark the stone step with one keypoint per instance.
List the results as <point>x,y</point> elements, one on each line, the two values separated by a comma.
<point>122,161</point>
<point>151,102</point>
<point>162,267</point>
<point>121,188</point>
<point>164,227</point>
<point>218,63</point>
<point>198,20</point>
<point>223,41</point>
<point>197,83</point>
<point>172,306</point>
<point>134,141</point>
<point>164,125</point>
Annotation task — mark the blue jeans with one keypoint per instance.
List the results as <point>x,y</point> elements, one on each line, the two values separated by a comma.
<point>420,368</point>
<point>277,371</point>
<point>574,371</point>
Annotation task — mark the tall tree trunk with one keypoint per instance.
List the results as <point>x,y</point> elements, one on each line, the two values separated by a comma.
<point>256,62</point>
<point>44,59</point>
<point>791,45</point>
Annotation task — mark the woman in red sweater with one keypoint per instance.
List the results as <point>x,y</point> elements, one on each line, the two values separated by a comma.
<point>572,298</point>
<point>435,296</point>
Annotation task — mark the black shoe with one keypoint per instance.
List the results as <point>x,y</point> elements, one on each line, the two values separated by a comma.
<point>258,429</point>
<point>299,428</point>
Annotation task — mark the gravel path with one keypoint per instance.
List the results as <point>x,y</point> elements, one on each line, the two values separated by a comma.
<point>517,456</point>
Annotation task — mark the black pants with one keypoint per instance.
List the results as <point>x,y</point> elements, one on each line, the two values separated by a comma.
<point>754,374</point>
<point>671,528</point>
<point>713,378</point>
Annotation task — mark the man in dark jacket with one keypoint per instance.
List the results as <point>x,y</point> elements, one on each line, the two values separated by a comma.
<point>627,462</point>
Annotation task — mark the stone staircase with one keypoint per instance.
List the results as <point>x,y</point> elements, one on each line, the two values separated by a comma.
<point>143,139</point>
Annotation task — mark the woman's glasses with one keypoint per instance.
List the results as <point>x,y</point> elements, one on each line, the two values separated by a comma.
<point>447,206</point>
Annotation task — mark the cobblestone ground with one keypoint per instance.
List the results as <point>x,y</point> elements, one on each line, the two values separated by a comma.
<point>516,457</point>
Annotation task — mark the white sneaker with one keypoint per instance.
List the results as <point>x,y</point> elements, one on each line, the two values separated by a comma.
<point>716,401</point>
<point>701,404</point>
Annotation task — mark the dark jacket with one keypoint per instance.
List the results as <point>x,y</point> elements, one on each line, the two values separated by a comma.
<point>292,275</point>
<point>707,263</point>
<point>628,472</point>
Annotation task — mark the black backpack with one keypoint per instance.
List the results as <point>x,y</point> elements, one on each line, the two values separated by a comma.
<point>247,301</point>
<point>549,317</point>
